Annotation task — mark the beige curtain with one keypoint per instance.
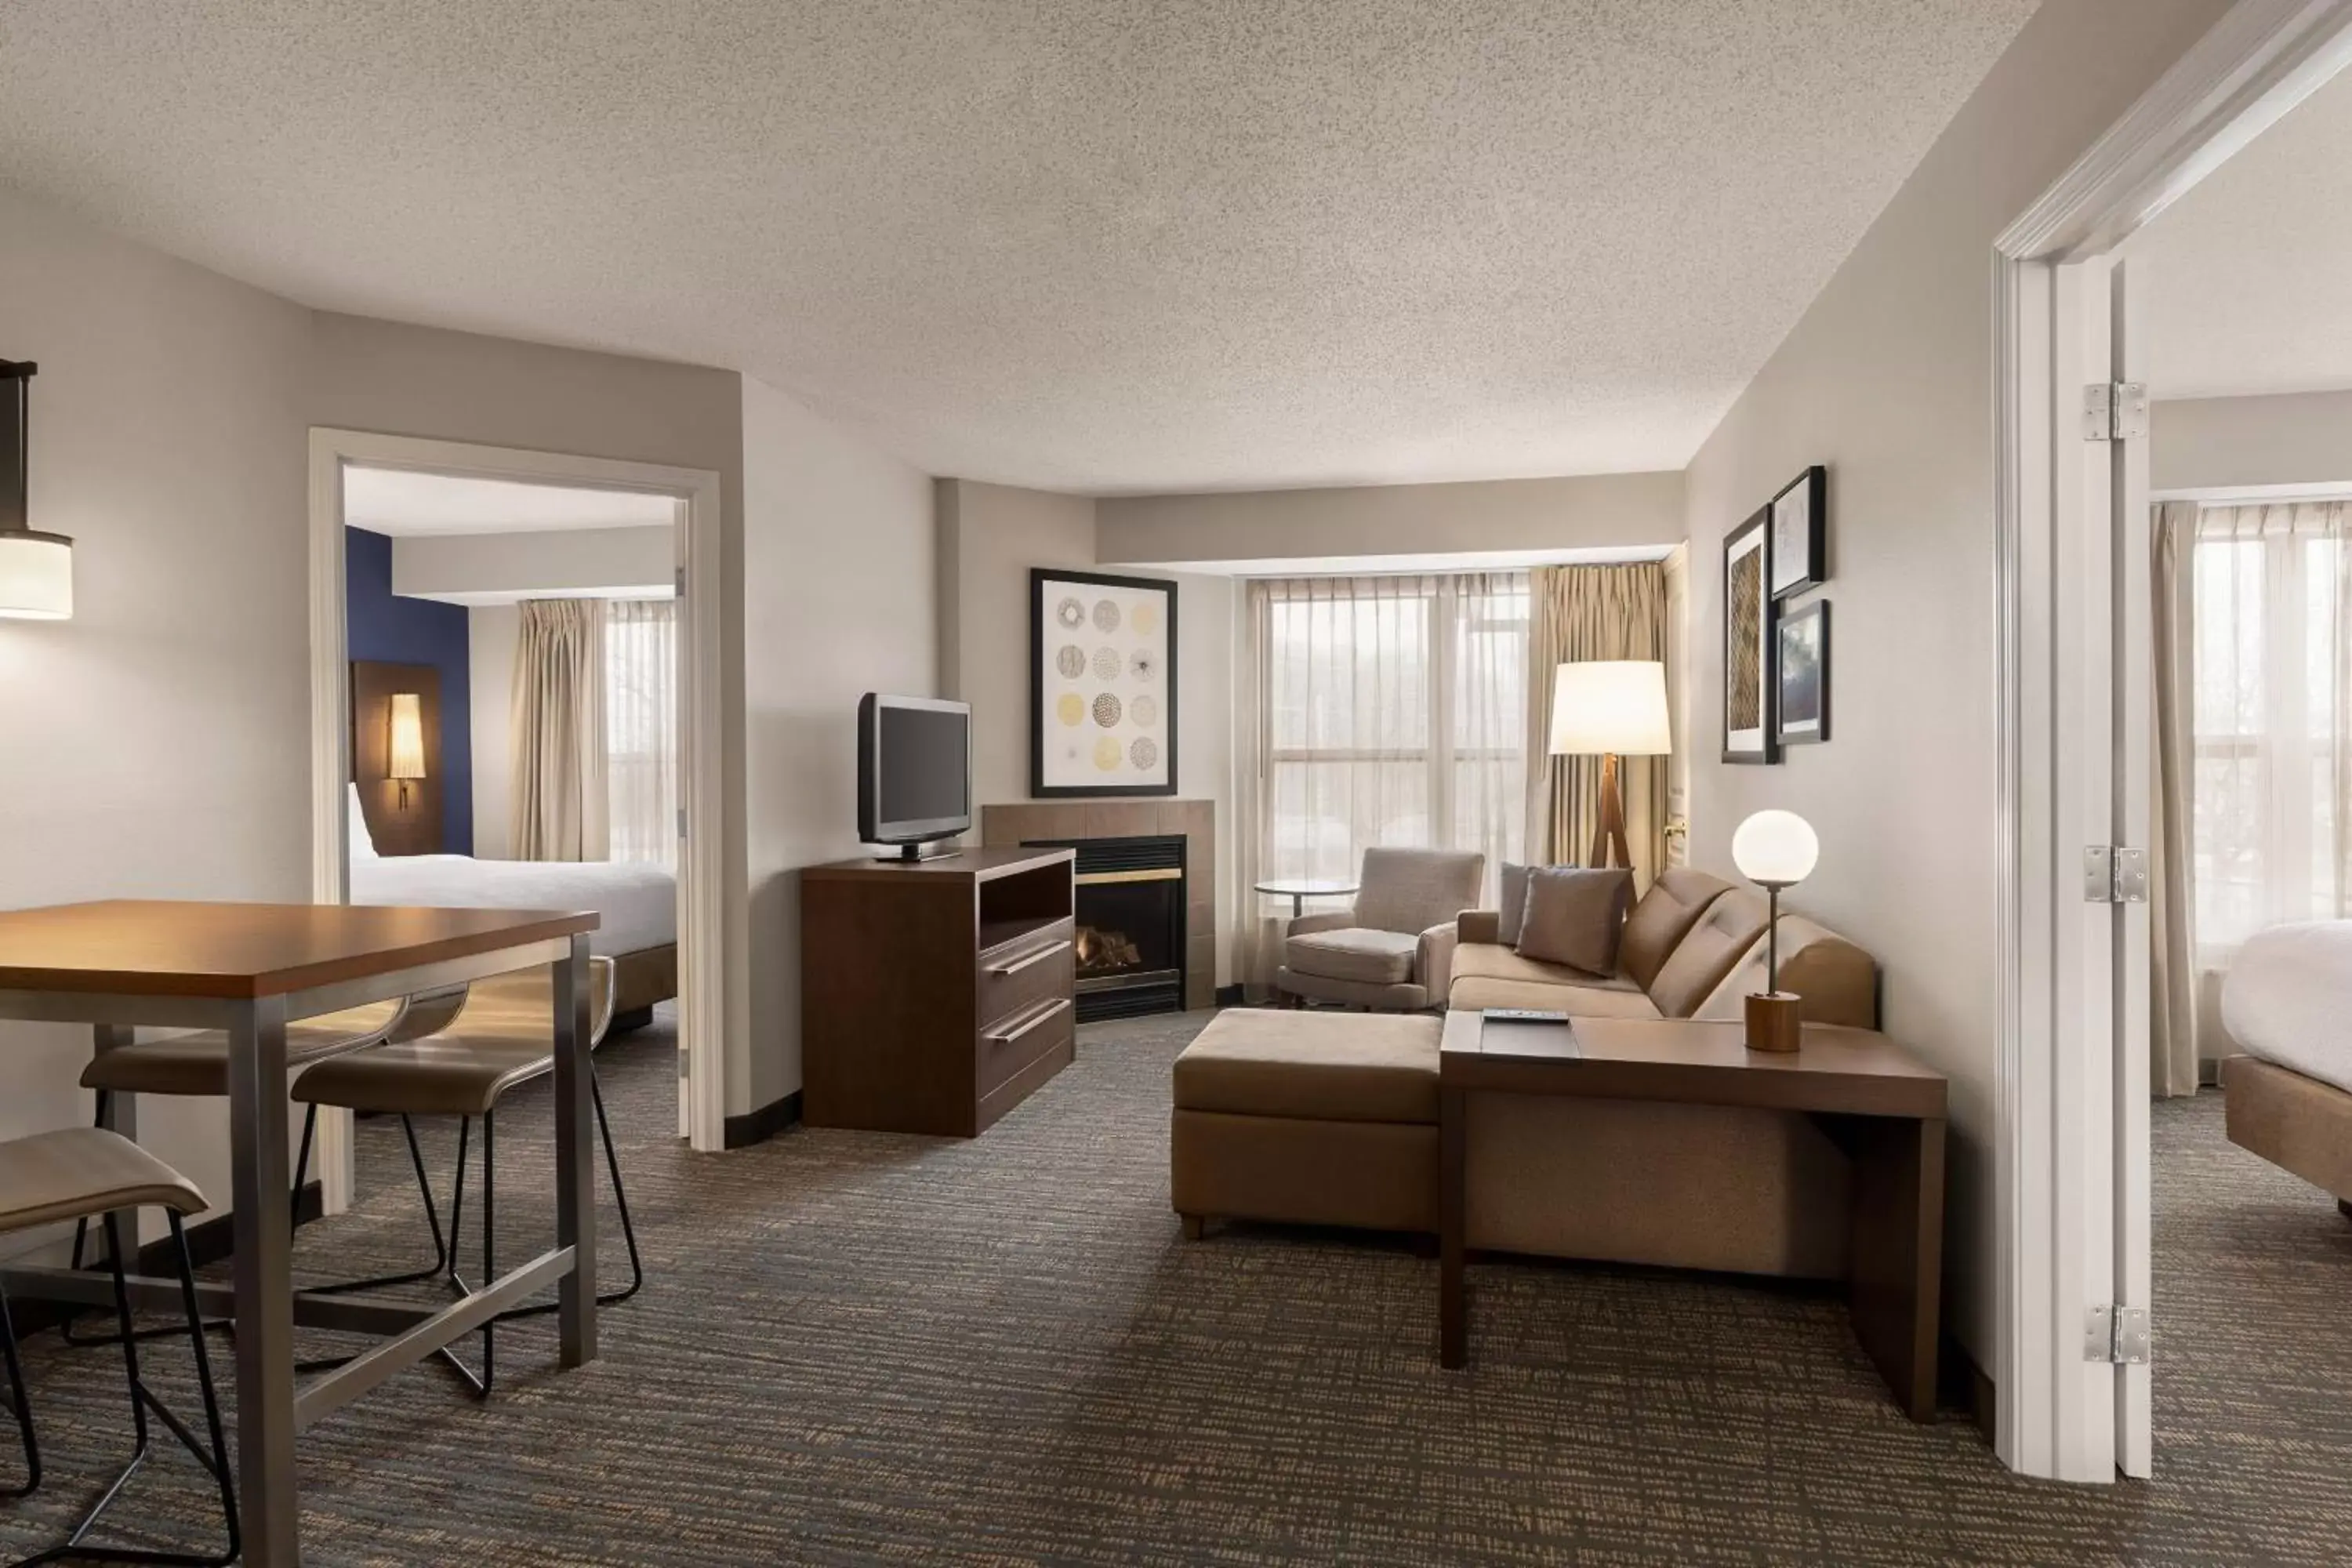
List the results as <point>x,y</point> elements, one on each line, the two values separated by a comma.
<point>1258,936</point>
<point>1581,613</point>
<point>2172,898</point>
<point>557,731</point>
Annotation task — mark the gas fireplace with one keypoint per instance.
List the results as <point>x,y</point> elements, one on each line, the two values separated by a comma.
<point>1130,919</point>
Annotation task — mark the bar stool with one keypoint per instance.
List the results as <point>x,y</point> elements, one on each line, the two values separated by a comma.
<point>193,1065</point>
<point>81,1173</point>
<point>502,1036</point>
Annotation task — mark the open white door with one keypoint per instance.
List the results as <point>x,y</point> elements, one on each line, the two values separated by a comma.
<point>2101,614</point>
<point>2134,719</point>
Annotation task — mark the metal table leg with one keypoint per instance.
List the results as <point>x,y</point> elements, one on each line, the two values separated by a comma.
<point>268,1508</point>
<point>575,1172</point>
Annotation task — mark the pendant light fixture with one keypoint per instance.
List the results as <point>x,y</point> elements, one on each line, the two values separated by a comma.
<point>36,568</point>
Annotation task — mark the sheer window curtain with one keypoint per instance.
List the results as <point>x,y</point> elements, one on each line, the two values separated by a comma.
<point>558,732</point>
<point>1376,710</point>
<point>2261,746</point>
<point>641,729</point>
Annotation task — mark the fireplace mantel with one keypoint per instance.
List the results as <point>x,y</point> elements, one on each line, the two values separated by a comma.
<point>1020,822</point>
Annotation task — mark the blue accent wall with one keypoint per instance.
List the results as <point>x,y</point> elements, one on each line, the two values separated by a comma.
<point>380,625</point>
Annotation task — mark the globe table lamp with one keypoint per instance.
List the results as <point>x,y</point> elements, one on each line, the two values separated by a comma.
<point>1775,849</point>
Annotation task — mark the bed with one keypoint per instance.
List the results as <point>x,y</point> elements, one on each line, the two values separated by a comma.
<point>2287,1003</point>
<point>638,903</point>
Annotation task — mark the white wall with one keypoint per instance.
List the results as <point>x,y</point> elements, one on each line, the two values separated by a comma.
<point>542,563</point>
<point>839,586</point>
<point>158,741</point>
<point>490,631</point>
<point>2290,439</point>
<point>1888,380</point>
<point>1265,527</point>
<point>989,537</point>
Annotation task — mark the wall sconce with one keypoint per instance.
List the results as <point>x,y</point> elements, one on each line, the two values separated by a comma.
<point>35,569</point>
<point>407,750</point>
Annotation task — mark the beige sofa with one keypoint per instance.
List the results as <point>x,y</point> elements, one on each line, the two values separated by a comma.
<point>1322,1119</point>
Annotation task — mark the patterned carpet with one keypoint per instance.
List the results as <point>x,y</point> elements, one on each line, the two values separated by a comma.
<point>872,1349</point>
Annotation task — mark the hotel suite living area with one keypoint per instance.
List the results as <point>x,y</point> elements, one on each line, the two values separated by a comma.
<point>1009,783</point>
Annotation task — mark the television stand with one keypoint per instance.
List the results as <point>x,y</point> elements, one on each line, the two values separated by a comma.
<point>936,994</point>
<point>915,854</point>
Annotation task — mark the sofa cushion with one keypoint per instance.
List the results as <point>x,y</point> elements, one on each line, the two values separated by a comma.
<point>1375,957</point>
<point>1838,980</point>
<point>1717,941</point>
<point>1575,916</point>
<point>1330,1066</point>
<point>1489,977</point>
<point>1415,889</point>
<point>1514,907</point>
<point>1664,918</point>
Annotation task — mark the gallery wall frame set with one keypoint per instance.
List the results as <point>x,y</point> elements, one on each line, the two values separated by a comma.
<point>1775,662</point>
<point>1102,685</point>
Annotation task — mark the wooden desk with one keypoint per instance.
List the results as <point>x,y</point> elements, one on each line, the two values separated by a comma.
<point>1885,1110</point>
<point>248,969</point>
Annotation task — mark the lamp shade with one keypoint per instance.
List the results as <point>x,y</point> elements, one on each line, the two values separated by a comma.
<point>1610,705</point>
<point>1776,848</point>
<point>407,754</point>
<point>36,575</point>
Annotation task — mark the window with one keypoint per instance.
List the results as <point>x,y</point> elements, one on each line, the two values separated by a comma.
<point>641,727</point>
<point>1396,714</point>
<point>2271,765</point>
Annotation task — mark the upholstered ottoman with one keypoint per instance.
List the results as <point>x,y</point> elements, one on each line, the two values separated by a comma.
<point>1308,1118</point>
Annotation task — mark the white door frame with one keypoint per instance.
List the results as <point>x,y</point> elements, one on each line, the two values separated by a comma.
<point>701,858</point>
<point>2056,1215</point>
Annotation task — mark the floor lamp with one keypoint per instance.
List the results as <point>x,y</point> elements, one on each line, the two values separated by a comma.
<point>1611,707</point>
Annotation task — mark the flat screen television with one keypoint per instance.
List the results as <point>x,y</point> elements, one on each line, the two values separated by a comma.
<point>914,770</point>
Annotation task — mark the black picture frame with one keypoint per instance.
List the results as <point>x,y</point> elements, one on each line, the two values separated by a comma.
<point>1800,513</point>
<point>1041,784</point>
<point>1802,715</point>
<point>1746,584</point>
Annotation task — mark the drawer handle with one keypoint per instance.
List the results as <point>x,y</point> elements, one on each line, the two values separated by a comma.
<point>1036,1020</point>
<point>1004,970</point>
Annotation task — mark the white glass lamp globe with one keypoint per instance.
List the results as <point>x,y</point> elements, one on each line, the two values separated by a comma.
<point>1775,849</point>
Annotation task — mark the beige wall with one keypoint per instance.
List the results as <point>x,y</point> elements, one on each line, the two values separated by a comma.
<point>838,600</point>
<point>990,536</point>
<point>2290,438</point>
<point>158,741</point>
<point>1888,380</point>
<point>1595,511</point>
<point>478,568</point>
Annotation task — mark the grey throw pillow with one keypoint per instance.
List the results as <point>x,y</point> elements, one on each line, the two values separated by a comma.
<point>1575,916</point>
<point>1514,907</point>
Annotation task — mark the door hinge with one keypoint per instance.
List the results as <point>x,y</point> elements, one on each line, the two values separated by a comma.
<point>2114,876</point>
<point>2114,411</point>
<point>681,822</point>
<point>681,581</point>
<point>2117,1335</point>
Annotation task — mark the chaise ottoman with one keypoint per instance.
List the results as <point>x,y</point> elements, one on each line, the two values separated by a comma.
<point>1309,1119</point>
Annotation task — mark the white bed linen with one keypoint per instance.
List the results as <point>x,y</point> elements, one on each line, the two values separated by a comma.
<point>639,902</point>
<point>2288,999</point>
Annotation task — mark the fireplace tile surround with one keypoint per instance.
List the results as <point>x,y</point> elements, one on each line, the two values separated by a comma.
<point>1020,822</point>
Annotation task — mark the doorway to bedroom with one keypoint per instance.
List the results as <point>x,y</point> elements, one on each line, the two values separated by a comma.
<point>508,687</point>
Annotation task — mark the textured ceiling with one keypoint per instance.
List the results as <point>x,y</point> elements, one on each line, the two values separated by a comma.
<point>400,501</point>
<point>1094,244</point>
<point>2250,273</point>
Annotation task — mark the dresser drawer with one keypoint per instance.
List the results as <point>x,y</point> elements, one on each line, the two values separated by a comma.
<point>1014,978</point>
<point>1006,1047</point>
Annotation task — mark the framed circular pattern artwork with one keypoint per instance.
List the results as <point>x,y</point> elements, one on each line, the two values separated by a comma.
<point>1117,686</point>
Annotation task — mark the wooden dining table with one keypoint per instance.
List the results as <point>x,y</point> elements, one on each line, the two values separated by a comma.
<point>250,969</point>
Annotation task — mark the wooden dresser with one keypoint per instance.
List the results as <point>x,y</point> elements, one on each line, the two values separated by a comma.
<point>935,996</point>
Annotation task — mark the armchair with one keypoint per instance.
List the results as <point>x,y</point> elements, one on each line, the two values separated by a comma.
<point>1394,950</point>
